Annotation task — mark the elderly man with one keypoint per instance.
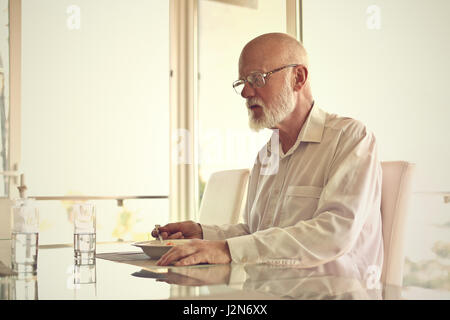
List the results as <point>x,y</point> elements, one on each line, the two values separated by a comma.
<point>321,206</point>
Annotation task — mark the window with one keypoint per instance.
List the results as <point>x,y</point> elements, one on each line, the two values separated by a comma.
<point>225,140</point>
<point>95,111</point>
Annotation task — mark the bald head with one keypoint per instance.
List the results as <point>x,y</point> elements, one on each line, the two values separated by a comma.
<point>272,50</point>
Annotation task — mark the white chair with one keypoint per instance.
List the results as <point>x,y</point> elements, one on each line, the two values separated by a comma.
<point>224,197</point>
<point>395,197</point>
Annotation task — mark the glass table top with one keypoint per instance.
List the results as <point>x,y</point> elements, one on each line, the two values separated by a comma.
<point>58,278</point>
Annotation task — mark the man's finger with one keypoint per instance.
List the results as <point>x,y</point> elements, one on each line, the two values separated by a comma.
<point>170,228</point>
<point>175,254</point>
<point>163,258</point>
<point>178,235</point>
<point>195,258</point>
<point>169,257</point>
<point>164,235</point>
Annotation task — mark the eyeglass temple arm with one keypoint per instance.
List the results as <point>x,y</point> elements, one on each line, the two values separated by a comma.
<point>281,68</point>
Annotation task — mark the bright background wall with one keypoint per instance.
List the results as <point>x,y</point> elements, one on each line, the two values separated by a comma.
<point>387,63</point>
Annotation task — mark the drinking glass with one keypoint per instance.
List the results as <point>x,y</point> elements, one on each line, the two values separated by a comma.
<point>84,233</point>
<point>25,236</point>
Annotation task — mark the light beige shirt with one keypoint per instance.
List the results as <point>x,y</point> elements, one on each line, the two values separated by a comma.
<point>316,205</point>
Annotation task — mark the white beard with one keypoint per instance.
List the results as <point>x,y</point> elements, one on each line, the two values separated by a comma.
<point>274,113</point>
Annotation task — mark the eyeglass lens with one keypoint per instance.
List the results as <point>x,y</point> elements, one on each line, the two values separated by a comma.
<point>255,80</point>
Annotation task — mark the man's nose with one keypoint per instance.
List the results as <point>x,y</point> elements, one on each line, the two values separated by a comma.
<point>248,91</point>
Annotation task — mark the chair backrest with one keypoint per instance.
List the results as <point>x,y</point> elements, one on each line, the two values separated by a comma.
<point>223,197</point>
<point>395,198</point>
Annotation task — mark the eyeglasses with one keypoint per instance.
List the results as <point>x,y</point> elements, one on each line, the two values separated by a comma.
<point>257,79</point>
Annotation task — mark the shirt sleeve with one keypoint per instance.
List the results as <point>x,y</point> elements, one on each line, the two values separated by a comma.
<point>214,232</point>
<point>350,195</point>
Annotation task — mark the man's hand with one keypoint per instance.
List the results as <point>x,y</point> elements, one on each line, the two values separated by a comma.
<point>195,252</point>
<point>180,230</point>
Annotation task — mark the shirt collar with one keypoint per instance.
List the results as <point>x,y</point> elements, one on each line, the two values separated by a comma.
<point>312,130</point>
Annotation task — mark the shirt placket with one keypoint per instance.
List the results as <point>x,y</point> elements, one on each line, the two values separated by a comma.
<point>275,198</point>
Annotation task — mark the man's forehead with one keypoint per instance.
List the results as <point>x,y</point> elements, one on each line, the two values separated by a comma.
<point>245,70</point>
<point>247,66</point>
<point>258,58</point>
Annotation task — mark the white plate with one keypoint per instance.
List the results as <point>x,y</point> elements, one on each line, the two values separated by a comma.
<point>155,249</point>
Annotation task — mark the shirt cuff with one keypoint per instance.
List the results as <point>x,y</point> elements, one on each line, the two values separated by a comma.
<point>211,232</point>
<point>243,249</point>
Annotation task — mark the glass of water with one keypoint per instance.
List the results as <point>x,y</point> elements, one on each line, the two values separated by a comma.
<point>25,236</point>
<point>84,233</point>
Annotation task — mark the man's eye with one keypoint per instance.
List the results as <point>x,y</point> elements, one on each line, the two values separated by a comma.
<point>259,81</point>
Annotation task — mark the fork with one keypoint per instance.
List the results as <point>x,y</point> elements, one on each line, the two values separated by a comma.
<point>157,226</point>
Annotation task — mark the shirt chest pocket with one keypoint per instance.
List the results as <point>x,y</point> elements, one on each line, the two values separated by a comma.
<point>300,203</point>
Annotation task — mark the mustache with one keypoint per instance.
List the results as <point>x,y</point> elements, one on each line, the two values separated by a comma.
<point>252,101</point>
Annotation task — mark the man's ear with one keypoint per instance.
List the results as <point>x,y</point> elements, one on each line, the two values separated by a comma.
<point>300,77</point>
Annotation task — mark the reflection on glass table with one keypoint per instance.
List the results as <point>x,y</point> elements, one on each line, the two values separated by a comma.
<point>276,282</point>
<point>58,277</point>
<point>19,287</point>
